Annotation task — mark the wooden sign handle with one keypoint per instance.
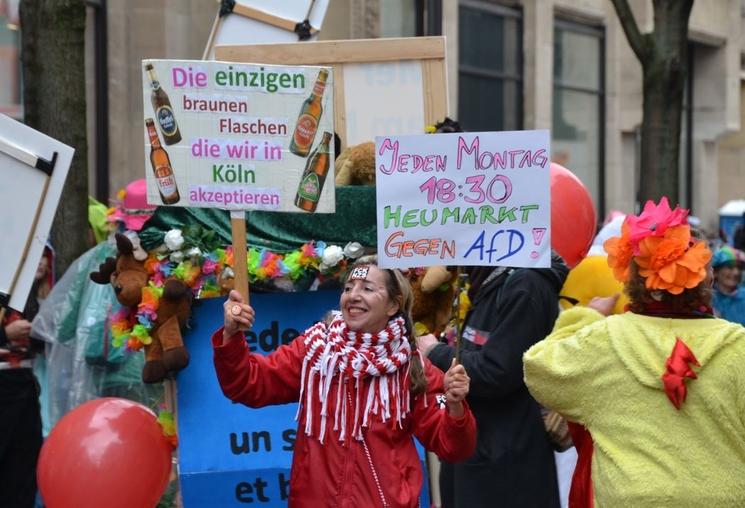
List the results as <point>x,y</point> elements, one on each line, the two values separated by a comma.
<point>240,267</point>
<point>460,285</point>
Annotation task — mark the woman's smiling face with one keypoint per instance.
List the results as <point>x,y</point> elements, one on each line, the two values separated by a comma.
<point>365,303</point>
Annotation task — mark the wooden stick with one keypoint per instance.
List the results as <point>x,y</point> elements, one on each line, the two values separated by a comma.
<point>169,394</point>
<point>354,51</point>
<point>213,34</point>
<point>269,19</point>
<point>456,316</point>
<point>27,245</point>
<point>240,267</point>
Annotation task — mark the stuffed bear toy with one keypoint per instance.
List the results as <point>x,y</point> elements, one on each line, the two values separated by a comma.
<point>434,291</point>
<point>356,165</point>
<point>128,276</point>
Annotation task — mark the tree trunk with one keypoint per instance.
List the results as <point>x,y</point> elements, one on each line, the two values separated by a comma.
<point>53,55</point>
<point>663,55</point>
<point>660,142</point>
<point>665,70</point>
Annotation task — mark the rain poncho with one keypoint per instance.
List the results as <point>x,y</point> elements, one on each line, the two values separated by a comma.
<point>81,362</point>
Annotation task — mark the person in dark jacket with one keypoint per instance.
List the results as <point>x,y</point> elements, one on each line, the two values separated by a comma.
<point>513,466</point>
<point>20,413</point>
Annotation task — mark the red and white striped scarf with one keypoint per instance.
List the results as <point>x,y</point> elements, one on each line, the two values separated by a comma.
<point>336,351</point>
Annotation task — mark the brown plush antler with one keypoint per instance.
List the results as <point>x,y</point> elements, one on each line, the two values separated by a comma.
<point>123,245</point>
<point>105,269</point>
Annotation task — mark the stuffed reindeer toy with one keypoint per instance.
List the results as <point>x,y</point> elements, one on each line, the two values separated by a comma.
<point>128,276</point>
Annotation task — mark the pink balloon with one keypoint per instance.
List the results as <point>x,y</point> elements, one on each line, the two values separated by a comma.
<point>107,452</point>
<point>573,216</point>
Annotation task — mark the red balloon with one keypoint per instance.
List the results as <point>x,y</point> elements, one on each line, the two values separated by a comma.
<point>107,452</point>
<point>573,216</point>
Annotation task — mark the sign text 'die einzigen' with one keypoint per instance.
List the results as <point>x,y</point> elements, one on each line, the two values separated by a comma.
<point>238,136</point>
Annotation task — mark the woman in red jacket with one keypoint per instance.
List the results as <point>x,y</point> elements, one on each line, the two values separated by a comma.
<point>363,392</point>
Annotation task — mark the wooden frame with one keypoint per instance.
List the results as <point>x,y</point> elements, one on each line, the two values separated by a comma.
<point>312,16</point>
<point>430,51</point>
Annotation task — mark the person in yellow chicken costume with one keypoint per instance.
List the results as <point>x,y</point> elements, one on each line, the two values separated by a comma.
<point>660,388</point>
<point>592,277</point>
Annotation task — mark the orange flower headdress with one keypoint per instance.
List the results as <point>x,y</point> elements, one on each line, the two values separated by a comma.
<point>660,243</point>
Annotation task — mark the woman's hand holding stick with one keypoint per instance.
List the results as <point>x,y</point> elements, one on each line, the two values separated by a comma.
<point>239,316</point>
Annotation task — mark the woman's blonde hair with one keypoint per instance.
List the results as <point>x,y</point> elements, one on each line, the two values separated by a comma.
<point>399,290</point>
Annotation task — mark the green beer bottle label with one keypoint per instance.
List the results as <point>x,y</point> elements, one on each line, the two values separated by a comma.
<point>309,188</point>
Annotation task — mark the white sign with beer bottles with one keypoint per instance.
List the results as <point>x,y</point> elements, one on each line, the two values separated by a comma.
<point>239,136</point>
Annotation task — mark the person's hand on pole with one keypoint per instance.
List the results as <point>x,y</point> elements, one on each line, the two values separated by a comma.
<point>18,330</point>
<point>239,316</point>
<point>457,384</point>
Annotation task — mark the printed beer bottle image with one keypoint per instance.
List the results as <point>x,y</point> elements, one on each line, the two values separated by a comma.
<point>311,183</point>
<point>310,115</point>
<point>164,176</point>
<point>163,109</point>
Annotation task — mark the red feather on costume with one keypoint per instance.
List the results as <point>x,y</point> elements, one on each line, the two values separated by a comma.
<point>677,369</point>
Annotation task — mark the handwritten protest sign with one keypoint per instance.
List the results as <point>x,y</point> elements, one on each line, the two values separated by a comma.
<point>478,198</point>
<point>238,136</point>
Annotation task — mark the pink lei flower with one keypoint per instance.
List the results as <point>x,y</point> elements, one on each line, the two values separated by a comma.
<point>209,267</point>
<point>654,221</point>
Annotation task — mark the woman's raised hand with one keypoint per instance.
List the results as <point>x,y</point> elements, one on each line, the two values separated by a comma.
<point>457,384</point>
<point>238,315</point>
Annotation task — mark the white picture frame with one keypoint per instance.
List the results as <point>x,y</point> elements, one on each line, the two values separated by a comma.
<point>28,202</point>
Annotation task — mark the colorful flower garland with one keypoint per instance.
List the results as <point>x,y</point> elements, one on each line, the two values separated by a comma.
<point>167,422</point>
<point>210,275</point>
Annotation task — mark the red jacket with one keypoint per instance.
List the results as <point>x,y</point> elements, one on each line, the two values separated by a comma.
<point>341,474</point>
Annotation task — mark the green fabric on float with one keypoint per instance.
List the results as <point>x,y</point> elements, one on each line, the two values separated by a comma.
<point>354,221</point>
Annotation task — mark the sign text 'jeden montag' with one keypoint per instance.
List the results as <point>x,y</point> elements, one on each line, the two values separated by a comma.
<point>478,198</point>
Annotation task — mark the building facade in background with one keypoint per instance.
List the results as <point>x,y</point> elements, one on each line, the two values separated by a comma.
<point>563,65</point>
<point>10,60</point>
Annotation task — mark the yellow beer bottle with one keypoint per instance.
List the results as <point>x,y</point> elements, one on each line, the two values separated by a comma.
<point>161,163</point>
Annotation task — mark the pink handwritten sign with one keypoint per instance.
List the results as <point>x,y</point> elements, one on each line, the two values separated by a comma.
<point>478,198</point>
